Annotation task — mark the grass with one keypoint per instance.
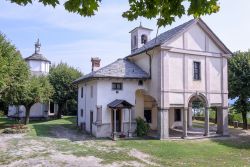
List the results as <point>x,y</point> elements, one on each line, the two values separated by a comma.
<point>43,128</point>
<point>193,153</point>
<point>215,152</point>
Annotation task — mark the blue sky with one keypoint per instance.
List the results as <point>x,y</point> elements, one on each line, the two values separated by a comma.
<point>73,39</point>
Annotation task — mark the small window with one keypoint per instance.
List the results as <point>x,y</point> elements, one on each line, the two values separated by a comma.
<point>91,91</point>
<point>197,70</point>
<point>148,116</point>
<point>81,112</point>
<point>140,82</point>
<point>116,86</point>
<point>177,115</point>
<point>135,41</point>
<point>144,39</point>
<point>81,92</point>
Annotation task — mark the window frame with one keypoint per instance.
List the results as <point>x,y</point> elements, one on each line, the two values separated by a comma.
<point>115,88</point>
<point>194,71</point>
<point>81,112</point>
<point>81,92</point>
<point>144,41</point>
<point>140,83</point>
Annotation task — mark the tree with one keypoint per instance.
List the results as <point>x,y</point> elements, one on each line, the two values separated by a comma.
<point>13,72</point>
<point>36,90</point>
<point>165,10</point>
<point>61,77</point>
<point>239,83</point>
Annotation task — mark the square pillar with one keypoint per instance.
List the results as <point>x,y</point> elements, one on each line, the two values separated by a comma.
<point>184,126</point>
<point>163,123</point>
<point>114,132</point>
<point>222,121</point>
<point>190,117</point>
<point>206,122</point>
<point>129,131</point>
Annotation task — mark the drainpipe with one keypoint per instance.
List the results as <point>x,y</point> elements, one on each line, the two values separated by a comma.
<point>150,62</point>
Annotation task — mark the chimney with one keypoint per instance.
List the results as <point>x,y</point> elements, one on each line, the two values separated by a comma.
<point>95,61</point>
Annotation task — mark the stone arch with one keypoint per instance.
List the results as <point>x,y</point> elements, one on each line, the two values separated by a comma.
<point>146,104</point>
<point>197,96</point>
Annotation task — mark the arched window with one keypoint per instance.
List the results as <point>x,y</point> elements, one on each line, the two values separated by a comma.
<point>135,41</point>
<point>144,39</point>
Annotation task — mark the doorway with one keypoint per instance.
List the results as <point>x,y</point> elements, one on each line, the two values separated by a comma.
<point>118,120</point>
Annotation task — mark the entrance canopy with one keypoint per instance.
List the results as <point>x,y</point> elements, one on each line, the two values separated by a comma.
<point>119,104</point>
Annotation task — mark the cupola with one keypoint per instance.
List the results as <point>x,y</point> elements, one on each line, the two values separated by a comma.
<point>139,36</point>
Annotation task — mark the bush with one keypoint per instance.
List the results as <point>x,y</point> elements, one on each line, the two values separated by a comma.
<point>1,113</point>
<point>15,129</point>
<point>142,127</point>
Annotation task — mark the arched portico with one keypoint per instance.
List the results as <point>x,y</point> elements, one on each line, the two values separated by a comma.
<point>146,108</point>
<point>200,101</point>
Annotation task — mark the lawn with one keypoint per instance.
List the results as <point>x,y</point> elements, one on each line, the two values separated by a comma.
<point>59,143</point>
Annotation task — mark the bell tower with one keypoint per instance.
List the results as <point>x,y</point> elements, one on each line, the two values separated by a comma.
<point>139,36</point>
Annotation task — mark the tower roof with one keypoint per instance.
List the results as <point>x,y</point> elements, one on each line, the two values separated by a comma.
<point>37,55</point>
<point>141,27</point>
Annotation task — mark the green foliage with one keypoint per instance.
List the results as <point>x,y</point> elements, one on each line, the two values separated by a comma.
<point>61,78</point>
<point>13,72</point>
<point>239,83</point>
<point>142,127</point>
<point>1,113</point>
<point>37,89</point>
<point>165,10</point>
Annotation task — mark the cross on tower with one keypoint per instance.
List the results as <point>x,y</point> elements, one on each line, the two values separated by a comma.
<point>37,46</point>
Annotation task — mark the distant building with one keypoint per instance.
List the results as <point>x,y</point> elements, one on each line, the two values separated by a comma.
<point>159,81</point>
<point>39,65</point>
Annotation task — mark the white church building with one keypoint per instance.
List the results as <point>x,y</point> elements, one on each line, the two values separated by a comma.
<point>159,81</point>
<point>39,65</point>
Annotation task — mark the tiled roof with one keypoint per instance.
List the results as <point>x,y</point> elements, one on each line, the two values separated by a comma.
<point>119,104</point>
<point>164,37</point>
<point>121,68</point>
<point>37,56</point>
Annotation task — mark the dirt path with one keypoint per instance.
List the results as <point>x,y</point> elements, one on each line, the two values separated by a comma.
<point>66,148</point>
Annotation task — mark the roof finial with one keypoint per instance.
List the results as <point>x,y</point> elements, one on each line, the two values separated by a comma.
<point>37,46</point>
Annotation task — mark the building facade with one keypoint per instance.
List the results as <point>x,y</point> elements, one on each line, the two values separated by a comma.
<point>39,65</point>
<point>159,81</point>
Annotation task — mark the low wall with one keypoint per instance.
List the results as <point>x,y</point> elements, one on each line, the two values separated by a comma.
<point>240,124</point>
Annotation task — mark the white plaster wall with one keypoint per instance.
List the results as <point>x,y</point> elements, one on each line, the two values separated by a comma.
<point>81,104</point>
<point>193,84</point>
<point>34,65</point>
<point>37,110</point>
<point>212,47</point>
<point>175,72</point>
<point>177,43</point>
<point>196,39</point>
<point>215,74</point>
<point>105,95</point>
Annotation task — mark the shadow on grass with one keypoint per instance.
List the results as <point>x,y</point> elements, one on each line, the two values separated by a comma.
<point>238,139</point>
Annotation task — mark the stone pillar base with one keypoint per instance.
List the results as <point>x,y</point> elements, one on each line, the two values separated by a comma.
<point>130,134</point>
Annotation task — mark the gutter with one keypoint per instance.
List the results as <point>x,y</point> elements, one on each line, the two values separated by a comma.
<point>150,63</point>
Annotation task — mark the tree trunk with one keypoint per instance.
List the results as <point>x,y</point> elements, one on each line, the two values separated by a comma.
<point>244,118</point>
<point>27,116</point>
<point>59,114</point>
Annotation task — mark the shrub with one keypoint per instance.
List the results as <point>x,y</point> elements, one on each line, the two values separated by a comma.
<point>1,113</point>
<point>15,129</point>
<point>142,127</point>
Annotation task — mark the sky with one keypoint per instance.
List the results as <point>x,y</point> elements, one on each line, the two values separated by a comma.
<point>70,38</point>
